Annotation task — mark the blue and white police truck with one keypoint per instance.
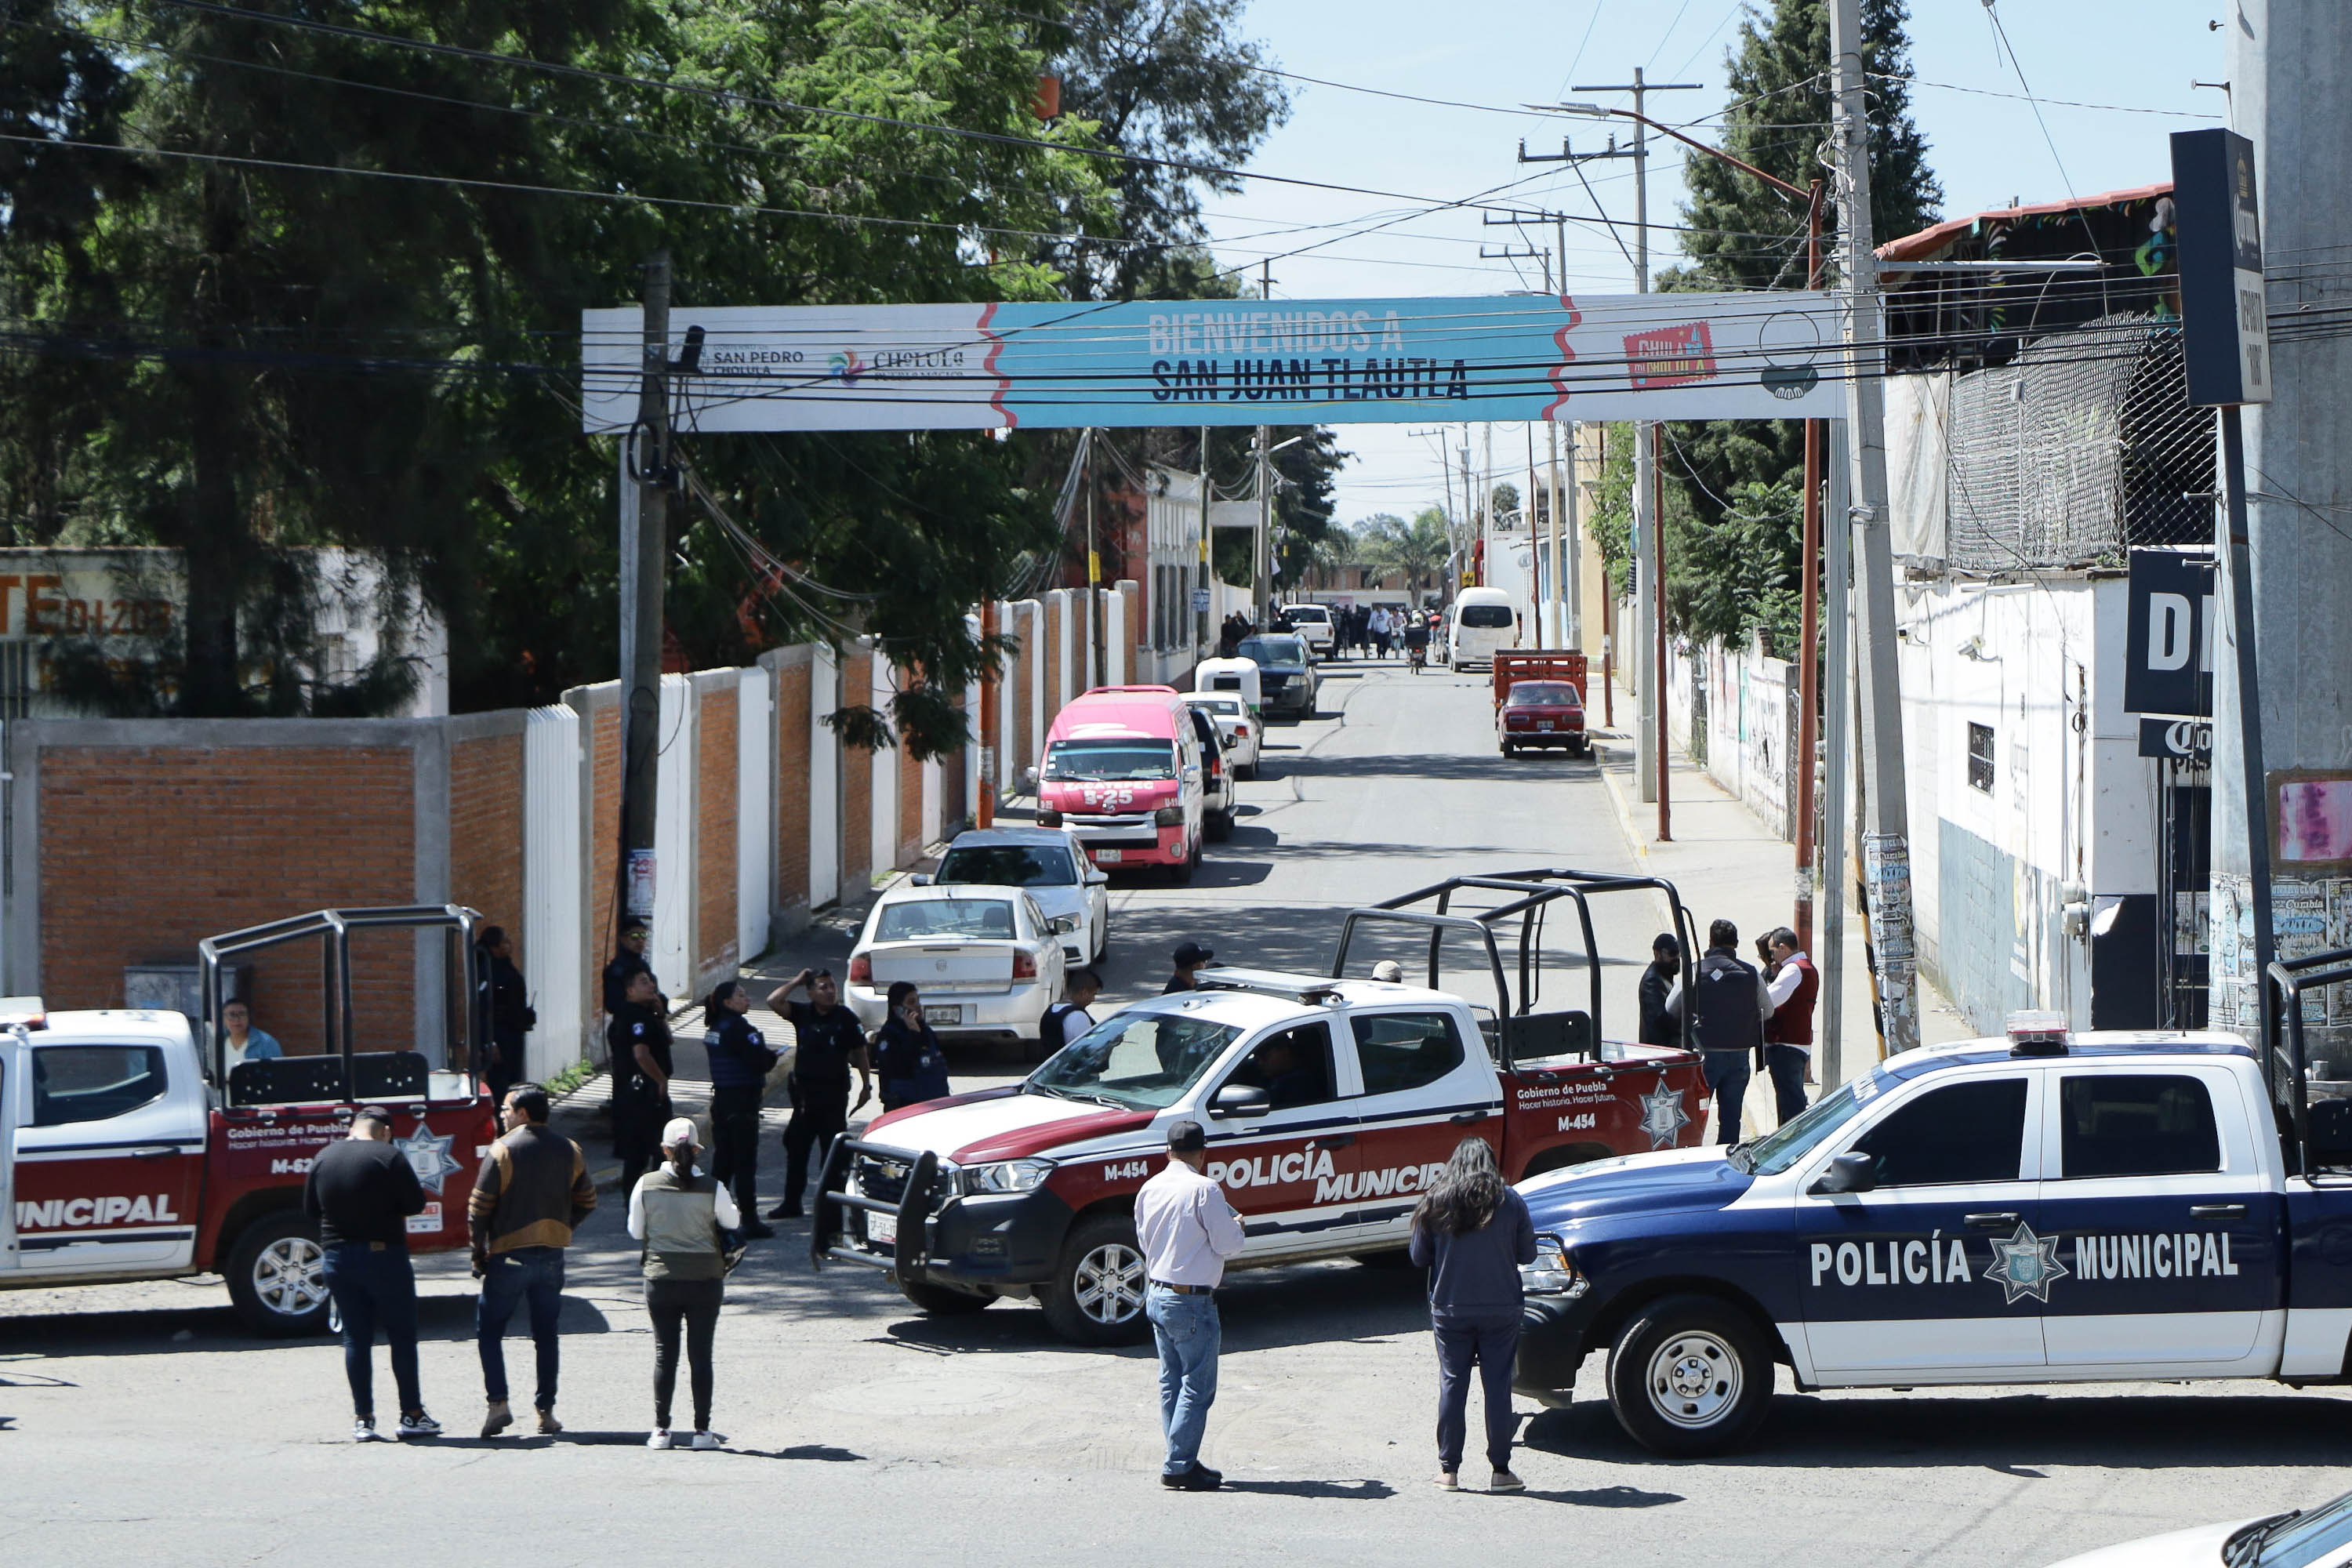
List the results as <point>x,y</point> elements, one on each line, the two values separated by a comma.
<point>2036,1209</point>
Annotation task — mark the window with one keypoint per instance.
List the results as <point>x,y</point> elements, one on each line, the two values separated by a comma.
<point>924,918</point>
<point>1009,865</point>
<point>1399,1051</point>
<point>94,1083</point>
<point>2135,1125</point>
<point>1965,1132</point>
<point>1980,757</point>
<point>1294,1067</point>
<point>1490,617</point>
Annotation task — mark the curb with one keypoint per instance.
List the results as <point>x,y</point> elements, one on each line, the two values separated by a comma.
<point>1634,837</point>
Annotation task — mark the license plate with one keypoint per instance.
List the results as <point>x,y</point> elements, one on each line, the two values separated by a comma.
<point>1109,856</point>
<point>882,1229</point>
<point>942,1015</point>
<point>1542,724</point>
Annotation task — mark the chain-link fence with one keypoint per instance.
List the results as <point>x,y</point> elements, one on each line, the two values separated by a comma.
<point>2082,446</point>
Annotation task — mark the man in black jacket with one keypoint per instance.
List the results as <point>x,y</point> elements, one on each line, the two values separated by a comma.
<point>1660,1028</point>
<point>1726,1014</point>
<point>639,1040</point>
<point>530,1194</point>
<point>828,1042</point>
<point>627,963</point>
<point>503,1014</point>
<point>360,1193</point>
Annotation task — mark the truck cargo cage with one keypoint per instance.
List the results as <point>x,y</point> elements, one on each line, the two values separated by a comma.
<point>1522,900</point>
<point>2318,1133</point>
<point>340,1071</point>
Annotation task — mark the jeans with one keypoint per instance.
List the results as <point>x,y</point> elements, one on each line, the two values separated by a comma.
<point>1184,1327</point>
<point>735,1144</point>
<point>693,1304</point>
<point>375,1287</point>
<point>532,1274</point>
<point>821,1115</point>
<point>1786,1066</point>
<point>505,1071</point>
<point>1727,1074</point>
<point>1494,1345</point>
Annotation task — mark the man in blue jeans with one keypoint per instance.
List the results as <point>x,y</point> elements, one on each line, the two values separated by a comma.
<point>1188,1230</point>
<point>360,1193</point>
<point>528,1196</point>
<point>1724,1019</point>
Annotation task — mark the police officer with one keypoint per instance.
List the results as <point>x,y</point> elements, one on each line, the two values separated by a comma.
<point>503,1012</point>
<point>1191,958</point>
<point>1727,1022</point>
<point>629,960</point>
<point>740,1061</point>
<point>828,1043</point>
<point>1068,1019</point>
<point>638,1038</point>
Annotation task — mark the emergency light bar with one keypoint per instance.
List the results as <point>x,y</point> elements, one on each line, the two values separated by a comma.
<point>23,1012</point>
<point>2037,1033</point>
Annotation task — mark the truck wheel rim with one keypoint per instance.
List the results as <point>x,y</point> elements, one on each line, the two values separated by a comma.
<point>1108,1283</point>
<point>289,1276</point>
<point>1694,1380</point>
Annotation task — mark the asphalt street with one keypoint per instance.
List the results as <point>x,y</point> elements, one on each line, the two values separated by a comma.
<point>140,1422</point>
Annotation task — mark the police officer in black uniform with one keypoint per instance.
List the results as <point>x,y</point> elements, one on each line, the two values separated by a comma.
<point>828,1043</point>
<point>629,960</point>
<point>503,1014</point>
<point>639,1040</point>
<point>739,1060</point>
<point>1726,1021</point>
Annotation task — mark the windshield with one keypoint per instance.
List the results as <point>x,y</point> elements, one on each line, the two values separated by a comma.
<point>1138,1061</point>
<point>1229,706</point>
<point>1009,865</point>
<point>1307,613</point>
<point>929,918</point>
<point>1544,694</point>
<point>1488,616</point>
<point>1127,759</point>
<point>1273,650</point>
<point>2306,1538</point>
<point>1776,1151</point>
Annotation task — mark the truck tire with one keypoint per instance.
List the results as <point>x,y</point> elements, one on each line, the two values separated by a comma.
<point>1689,1376</point>
<point>277,1277</point>
<point>942,1300</point>
<point>1095,1297</point>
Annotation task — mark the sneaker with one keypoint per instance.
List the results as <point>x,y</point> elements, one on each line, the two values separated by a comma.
<point>755,1231</point>
<point>1505,1482</point>
<point>785,1210</point>
<point>704,1442</point>
<point>364,1430</point>
<point>1199,1479</point>
<point>1449,1481</point>
<point>548,1425</point>
<point>661,1439</point>
<point>419,1425</point>
<point>500,1417</point>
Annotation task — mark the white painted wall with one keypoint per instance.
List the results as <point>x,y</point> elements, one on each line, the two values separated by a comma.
<point>672,947</point>
<point>824,779</point>
<point>755,814</point>
<point>555,891</point>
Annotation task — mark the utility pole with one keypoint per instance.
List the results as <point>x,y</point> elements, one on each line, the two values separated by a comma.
<point>1837,729</point>
<point>1261,560</point>
<point>1096,674</point>
<point>1886,841</point>
<point>1809,686</point>
<point>641,709</point>
<point>1650,629</point>
<point>1201,616</point>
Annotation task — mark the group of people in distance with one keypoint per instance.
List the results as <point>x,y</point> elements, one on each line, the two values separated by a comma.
<point>1741,1018</point>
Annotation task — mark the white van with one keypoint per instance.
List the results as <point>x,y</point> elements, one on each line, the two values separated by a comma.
<point>1481,623</point>
<point>1312,622</point>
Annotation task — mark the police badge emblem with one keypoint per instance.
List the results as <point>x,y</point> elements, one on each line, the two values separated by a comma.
<point>428,1156</point>
<point>2025,1265</point>
<point>1662,1115</point>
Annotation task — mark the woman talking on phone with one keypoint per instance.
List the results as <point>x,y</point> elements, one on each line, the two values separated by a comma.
<point>908,1058</point>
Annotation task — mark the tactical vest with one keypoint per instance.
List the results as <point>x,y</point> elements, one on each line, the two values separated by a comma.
<point>1726,1014</point>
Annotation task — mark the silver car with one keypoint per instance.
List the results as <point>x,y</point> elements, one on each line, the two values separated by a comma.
<point>1050,866</point>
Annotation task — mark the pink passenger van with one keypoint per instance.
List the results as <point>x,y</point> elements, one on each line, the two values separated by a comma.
<point>1123,773</point>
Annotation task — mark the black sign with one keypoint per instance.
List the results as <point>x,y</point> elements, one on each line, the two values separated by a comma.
<point>2178,740</point>
<point>2168,635</point>
<point>2224,312</point>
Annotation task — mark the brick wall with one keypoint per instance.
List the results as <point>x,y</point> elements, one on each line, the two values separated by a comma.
<point>714,831</point>
<point>145,850</point>
<point>910,808</point>
<point>792,732</point>
<point>485,832</point>
<point>1050,625</point>
<point>856,788</point>
<point>1138,632</point>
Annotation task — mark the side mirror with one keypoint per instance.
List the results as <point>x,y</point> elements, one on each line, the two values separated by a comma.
<point>921,879</point>
<point>1240,1100</point>
<point>1852,1171</point>
<point>1097,877</point>
<point>1229,741</point>
<point>1062,925</point>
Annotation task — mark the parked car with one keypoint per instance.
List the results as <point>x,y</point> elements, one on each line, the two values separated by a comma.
<point>1217,789</point>
<point>987,960</point>
<point>2300,1538</point>
<point>1540,713</point>
<point>1312,622</point>
<point>1048,864</point>
<point>1123,773</point>
<point>1286,672</point>
<point>1237,727</point>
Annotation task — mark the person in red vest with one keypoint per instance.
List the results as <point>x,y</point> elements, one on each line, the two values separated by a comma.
<point>1788,1032</point>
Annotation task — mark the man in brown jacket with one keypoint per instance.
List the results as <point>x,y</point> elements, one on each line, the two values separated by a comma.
<point>529,1195</point>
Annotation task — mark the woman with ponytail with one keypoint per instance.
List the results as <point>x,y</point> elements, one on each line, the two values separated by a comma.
<point>1472,1234</point>
<point>681,1215</point>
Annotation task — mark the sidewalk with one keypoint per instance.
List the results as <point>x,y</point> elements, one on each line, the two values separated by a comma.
<point>1727,867</point>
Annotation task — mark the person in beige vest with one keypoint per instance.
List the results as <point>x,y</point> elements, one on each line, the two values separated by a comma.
<point>682,1215</point>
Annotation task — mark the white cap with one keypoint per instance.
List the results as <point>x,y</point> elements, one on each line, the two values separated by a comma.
<point>680,1133</point>
<point>1390,969</point>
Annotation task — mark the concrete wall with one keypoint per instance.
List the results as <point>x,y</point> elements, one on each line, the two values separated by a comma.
<point>1749,731</point>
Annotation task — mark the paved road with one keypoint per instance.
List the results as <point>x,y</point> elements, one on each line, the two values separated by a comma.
<point>138,1422</point>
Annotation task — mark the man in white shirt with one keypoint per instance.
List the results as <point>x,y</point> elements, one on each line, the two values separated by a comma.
<point>1789,1026</point>
<point>1188,1230</point>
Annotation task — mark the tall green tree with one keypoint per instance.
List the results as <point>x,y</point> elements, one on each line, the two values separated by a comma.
<point>1416,551</point>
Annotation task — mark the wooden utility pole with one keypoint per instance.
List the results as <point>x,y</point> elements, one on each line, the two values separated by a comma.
<point>644,557</point>
<point>1808,683</point>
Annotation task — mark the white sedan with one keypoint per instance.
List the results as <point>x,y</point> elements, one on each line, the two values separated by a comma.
<point>986,960</point>
<point>1047,863</point>
<point>2308,1538</point>
<point>1235,728</point>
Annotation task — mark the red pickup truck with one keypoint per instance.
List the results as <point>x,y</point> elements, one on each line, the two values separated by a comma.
<point>131,1149</point>
<point>1331,1101</point>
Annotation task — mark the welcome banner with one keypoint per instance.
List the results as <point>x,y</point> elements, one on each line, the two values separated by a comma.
<point>1765,355</point>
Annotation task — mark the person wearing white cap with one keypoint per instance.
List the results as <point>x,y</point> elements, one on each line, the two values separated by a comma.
<point>1390,969</point>
<point>682,1217</point>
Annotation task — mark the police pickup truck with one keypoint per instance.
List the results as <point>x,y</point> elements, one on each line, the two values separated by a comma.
<point>131,1148</point>
<point>2036,1209</point>
<point>1330,1104</point>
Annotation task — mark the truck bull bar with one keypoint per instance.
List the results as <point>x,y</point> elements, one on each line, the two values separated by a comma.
<point>828,1229</point>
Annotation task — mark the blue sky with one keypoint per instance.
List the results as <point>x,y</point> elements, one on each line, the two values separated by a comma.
<point>2132,54</point>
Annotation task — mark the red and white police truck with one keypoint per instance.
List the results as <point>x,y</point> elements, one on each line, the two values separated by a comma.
<point>131,1149</point>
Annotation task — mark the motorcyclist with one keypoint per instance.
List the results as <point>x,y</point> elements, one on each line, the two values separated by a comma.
<point>1416,642</point>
